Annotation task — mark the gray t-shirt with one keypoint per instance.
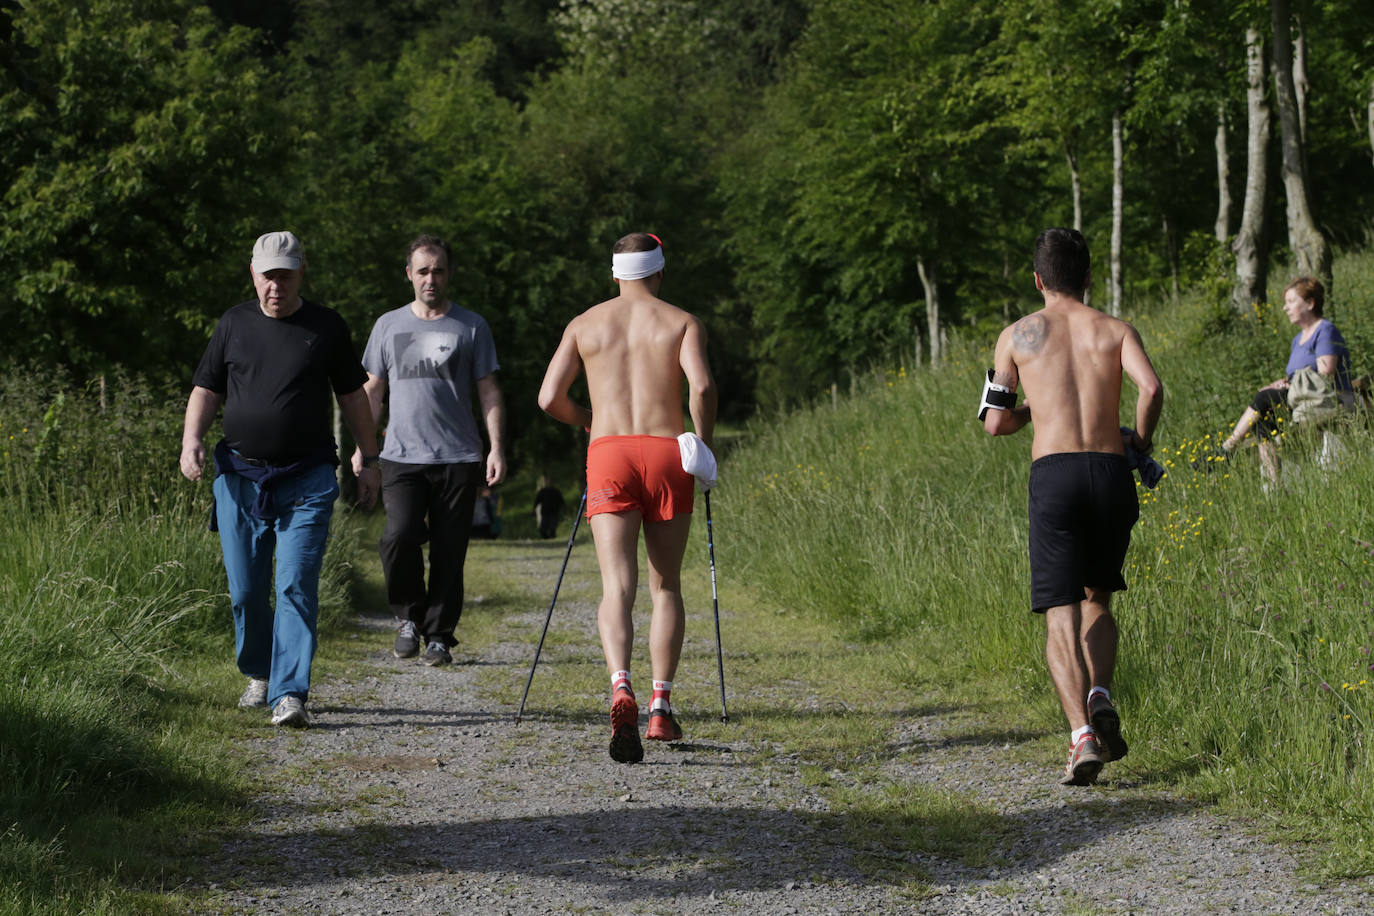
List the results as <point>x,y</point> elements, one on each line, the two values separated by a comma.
<point>431,368</point>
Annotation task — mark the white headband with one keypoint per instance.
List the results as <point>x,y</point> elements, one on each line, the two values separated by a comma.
<point>636,265</point>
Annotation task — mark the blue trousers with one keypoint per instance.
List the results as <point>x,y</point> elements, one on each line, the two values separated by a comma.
<point>276,645</point>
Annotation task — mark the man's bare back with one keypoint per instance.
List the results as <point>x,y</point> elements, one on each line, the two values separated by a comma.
<point>636,349</point>
<point>1069,358</point>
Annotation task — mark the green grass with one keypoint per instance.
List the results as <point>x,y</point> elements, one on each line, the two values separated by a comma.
<point>1245,673</point>
<point>116,645</point>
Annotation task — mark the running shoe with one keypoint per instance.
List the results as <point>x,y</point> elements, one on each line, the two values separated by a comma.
<point>1106,725</point>
<point>625,744</point>
<point>254,695</point>
<point>291,711</point>
<point>1085,762</point>
<point>663,726</point>
<point>407,641</point>
<point>437,654</point>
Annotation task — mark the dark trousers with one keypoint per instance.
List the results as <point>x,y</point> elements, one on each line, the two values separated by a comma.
<point>1269,403</point>
<point>427,502</point>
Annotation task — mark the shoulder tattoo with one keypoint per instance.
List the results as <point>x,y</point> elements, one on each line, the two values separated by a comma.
<point>1028,334</point>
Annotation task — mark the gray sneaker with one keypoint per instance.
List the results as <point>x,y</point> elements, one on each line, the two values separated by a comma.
<point>254,695</point>
<point>437,654</point>
<point>407,641</point>
<point>291,711</point>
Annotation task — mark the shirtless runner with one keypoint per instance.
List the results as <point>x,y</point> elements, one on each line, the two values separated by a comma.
<point>1070,359</point>
<point>635,350</point>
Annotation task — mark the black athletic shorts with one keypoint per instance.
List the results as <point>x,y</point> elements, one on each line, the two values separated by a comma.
<point>1082,508</point>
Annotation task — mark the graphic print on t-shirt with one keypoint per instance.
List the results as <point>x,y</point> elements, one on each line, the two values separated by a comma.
<point>424,355</point>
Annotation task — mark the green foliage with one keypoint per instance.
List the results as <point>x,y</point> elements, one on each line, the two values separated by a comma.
<point>880,148</point>
<point>139,140</point>
<point>800,157</point>
<point>115,618</point>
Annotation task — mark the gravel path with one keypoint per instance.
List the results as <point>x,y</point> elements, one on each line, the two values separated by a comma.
<point>416,792</point>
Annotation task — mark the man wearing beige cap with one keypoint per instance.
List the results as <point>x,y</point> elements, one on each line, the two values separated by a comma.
<point>272,364</point>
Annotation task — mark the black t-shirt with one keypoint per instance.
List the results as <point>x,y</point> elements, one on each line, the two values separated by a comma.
<point>276,375</point>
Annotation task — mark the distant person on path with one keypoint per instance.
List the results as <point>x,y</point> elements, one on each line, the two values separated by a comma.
<point>272,364</point>
<point>486,515</point>
<point>429,355</point>
<point>1070,359</point>
<point>548,508</point>
<point>635,350</point>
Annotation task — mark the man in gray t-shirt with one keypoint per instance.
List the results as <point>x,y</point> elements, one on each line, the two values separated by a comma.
<point>430,354</point>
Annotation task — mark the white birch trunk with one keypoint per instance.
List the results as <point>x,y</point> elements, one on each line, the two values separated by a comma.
<point>1118,199</point>
<point>932,291</point>
<point>1251,267</point>
<point>1171,247</point>
<point>1300,78</point>
<point>1076,186</point>
<point>1222,228</point>
<point>1311,253</point>
<point>1369,120</point>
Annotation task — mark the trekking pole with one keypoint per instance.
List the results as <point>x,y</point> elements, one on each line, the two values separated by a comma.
<point>576,519</point>
<point>715,604</point>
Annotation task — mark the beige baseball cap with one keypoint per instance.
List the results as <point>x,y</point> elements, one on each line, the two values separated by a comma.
<point>277,251</point>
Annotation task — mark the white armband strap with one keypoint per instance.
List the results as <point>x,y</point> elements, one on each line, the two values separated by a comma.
<point>995,397</point>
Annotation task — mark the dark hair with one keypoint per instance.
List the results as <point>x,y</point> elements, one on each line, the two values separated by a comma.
<point>433,242</point>
<point>636,241</point>
<point>1062,260</point>
<point>1311,290</point>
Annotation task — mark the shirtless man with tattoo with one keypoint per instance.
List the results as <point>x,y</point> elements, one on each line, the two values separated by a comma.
<point>1070,359</point>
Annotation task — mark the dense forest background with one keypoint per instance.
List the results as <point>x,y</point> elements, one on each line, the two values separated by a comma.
<point>838,182</point>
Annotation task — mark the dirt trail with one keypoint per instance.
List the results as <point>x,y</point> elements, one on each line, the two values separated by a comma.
<point>416,792</point>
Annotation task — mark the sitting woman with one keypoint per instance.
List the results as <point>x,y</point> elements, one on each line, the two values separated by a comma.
<point>1317,345</point>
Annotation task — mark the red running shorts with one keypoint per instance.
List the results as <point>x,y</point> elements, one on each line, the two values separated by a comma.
<point>626,473</point>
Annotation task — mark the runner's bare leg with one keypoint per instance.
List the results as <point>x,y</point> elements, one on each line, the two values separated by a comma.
<point>666,542</point>
<point>1099,637</point>
<point>616,535</point>
<point>1065,658</point>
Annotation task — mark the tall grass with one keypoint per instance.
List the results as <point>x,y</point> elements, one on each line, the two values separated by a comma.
<point>113,622</point>
<point>1245,668</point>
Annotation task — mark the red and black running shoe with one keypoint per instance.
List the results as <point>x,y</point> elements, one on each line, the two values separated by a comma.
<point>625,744</point>
<point>662,726</point>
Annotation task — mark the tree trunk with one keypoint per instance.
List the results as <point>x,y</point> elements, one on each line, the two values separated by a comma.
<point>1222,229</point>
<point>1312,255</point>
<point>1118,198</point>
<point>932,290</point>
<point>1171,248</point>
<point>1369,119</point>
<point>1076,185</point>
<point>1300,81</point>
<point>1249,245</point>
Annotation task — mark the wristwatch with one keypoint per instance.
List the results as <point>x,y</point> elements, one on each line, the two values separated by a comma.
<point>372,461</point>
